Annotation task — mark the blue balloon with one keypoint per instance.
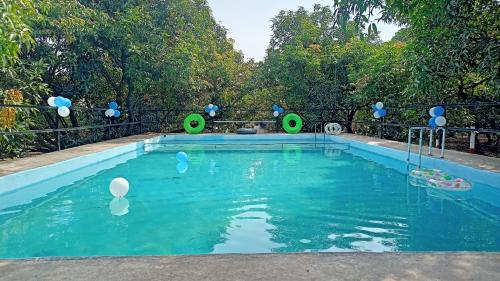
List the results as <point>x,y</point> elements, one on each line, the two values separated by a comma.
<point>281,110</point>
<point>59,101</point>
<point>67,102</point>
<point>113,105</point>
<point>207,109</point>
<point>117,113</point>
<point>432,122</point>
<point>438,111</point>
<point>382,112</point>
<point>215,108</point>
<point>182,156</point>
<point>182,167</point>
<point>275,107</point>
<point>374,108</point>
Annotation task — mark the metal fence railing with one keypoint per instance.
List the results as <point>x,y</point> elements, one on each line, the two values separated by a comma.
<point>46,131</point>
<point>41,129</point>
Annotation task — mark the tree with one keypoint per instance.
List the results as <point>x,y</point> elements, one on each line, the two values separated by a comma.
<point>14,32</point>
<point>453,48</point>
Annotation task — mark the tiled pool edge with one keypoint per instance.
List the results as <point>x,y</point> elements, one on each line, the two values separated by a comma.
<point>18,180</point>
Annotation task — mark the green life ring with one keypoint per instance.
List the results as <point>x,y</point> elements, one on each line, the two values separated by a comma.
<point>198,129</point>
<point>298,123</point>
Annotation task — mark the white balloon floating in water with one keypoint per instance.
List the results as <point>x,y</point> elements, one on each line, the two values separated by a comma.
<point>119,206</point>
<point>109,113</point>
<point>440,121</point>
<point>119,187</point>
<point>276,114</point>
<point>52,101</point>
<point>212,113</point>
<point>63,111</point>
<point>379,105</point>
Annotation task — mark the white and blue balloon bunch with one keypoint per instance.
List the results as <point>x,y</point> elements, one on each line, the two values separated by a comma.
<point>182,162</point>
<point>277,110</point>
<point>437,118</point>
<point>378,110</point>
<point>63,104</point>
<point>113,110</point>
<point>211,109</point>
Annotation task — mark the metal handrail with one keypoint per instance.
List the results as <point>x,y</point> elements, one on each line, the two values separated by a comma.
<point>420,142</point>
<point>29,132</point>
<point>421,129</point>
<point>321,129</point>
<point>431,140</point>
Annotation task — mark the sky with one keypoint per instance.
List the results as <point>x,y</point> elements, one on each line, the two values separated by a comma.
<point>249,21</point>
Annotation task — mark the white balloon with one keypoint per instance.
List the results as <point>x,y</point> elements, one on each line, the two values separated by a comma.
<point>210,106</point>
<point>119,206</point>
<point>63,111</point>
<point>52,101</point>
<point>379,105</point>
<point>109,113</point>
<point>212,113</point>
<point>440,121</point>
<point>276,114</point>
<point>119,187</point>
<point>376,115</point>
<point>431,112</point>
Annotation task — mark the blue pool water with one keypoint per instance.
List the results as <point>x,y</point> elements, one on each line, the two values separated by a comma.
<point>250,199</point>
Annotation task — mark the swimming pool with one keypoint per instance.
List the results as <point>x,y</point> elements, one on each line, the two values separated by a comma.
<point>242,196</point>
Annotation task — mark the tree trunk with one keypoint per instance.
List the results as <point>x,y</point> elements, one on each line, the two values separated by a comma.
<point>350,119</point>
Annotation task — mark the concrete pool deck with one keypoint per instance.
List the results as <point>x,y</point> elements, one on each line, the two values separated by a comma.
<point>287,267</point>
<point>472,160</point>
<point>11,166</point>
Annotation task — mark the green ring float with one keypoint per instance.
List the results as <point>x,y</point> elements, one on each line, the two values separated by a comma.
<point>298,123</point>
<point>194,118</point>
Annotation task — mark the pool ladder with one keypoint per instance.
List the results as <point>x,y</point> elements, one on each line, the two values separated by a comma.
<point>420,142</point>
<point>316,132</point>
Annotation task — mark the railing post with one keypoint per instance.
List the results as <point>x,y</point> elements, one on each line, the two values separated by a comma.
<point>442,142</point>
<point>420,144</point>
<point>58,133</point>
<point>409,145</point>
<point>431,141</point>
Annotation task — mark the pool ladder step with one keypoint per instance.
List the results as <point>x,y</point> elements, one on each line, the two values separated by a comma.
<point>420,142</point>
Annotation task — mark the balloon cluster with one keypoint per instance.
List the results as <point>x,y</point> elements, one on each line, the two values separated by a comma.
<point>63,104</point>
<point>182,162</point>
<point>113,110</point>
<point>378,110</point>
<point>437,118</point>
<point>277,110</point>
<point>211,109</point>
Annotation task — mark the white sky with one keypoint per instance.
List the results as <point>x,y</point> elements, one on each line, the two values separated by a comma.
<point>249,21</point>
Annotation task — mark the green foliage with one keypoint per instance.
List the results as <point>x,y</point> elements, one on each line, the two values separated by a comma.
<point>326,64</point>
<point>27,78</point>
<point>14,32</point>
<point>453,51</point>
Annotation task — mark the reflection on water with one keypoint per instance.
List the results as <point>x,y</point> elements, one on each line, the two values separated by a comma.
<point>249,232</point>
<point>119,206</point>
